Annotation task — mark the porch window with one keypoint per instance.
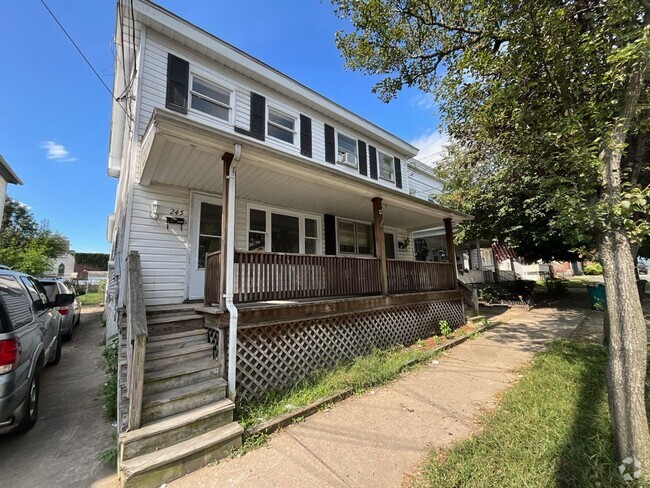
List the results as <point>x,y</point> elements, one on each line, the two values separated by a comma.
<point>277,231</point>
<point>346,150</point>
<point>209,231</point>
<point>311,236</point>
<point>389,245</point>
<point>281,126</point>
<point>211,99</point>
<point>285,233</point>
<point>355,238</point>
<point>257,230</point>
<point>386,167</point>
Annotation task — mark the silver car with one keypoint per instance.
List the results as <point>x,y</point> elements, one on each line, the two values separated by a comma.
<point>29,339</point>
<point>70,314</point>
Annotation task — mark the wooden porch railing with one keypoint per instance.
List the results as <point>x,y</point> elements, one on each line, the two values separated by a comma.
<point>136,339</point>
<point>470,297</point>
<point>414,276</point>
<point>212,289</point>
<point>277,276</point>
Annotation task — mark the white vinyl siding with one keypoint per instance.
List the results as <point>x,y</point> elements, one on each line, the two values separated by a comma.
<point>163,251</point>
<point>421,183</point>
<point>153,89</point>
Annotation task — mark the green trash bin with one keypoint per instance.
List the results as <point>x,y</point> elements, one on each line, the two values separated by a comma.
<point>597,296</point>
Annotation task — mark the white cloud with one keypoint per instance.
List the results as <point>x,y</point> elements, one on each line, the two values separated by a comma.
<point>58,152</point>
<point>423,101</point>
<point>431,144</point>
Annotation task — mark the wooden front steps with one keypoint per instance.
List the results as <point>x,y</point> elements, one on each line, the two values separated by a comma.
<point>187,421</point>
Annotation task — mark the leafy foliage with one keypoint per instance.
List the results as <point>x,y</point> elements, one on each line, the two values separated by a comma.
<point>98,261</point>
<point>26,245</point>
<point>593,269</point>
<point>109,389</point>
<point>530,94</point>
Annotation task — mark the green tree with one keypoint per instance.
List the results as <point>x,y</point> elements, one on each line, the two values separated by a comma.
<point>26,245</point>
<point>554,90</point>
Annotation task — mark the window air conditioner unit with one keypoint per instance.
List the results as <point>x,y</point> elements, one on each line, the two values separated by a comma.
<point>348,158</point>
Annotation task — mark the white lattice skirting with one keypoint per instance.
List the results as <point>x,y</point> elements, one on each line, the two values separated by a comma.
<point>275,357</point>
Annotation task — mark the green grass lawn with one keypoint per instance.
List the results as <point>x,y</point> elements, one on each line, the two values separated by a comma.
<point>551,429</point>
<point>91,298</point>
<point>364,372</point>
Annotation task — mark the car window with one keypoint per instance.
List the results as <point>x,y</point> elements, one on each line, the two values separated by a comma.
<point>36,291</point>
<point>15,302</point>
<point>51,290</point>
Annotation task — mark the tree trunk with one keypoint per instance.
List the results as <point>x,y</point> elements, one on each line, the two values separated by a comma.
<point>628,351</point>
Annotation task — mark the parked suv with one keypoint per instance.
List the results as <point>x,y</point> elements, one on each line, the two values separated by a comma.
<point>70,314</point>
<point>29,339</point>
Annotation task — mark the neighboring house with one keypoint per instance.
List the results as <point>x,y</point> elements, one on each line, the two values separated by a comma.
<point>64,266</point>
<point>7,176</point>
<point>253,207</point>
<point>421,182</point>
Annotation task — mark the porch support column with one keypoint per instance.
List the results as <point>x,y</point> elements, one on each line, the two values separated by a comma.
<point>380,243</point>
<point>451,250</point>
<point>479,258</point>
<point>227,161</point>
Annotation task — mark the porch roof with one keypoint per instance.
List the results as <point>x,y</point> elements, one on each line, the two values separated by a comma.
<point>180,152</point>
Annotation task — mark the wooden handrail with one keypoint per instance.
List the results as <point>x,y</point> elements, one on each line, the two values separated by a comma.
<point>136,339</point>
<point>470,296</point>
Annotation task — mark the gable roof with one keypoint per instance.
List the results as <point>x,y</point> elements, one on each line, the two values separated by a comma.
<point>7,173</point>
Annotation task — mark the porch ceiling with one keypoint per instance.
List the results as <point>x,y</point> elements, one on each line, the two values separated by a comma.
<point>179,152</point>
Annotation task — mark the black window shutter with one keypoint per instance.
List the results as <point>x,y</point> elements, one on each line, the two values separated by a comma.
<point>329,144</point>
<point>373,162</point>
<point>178,80</point>
<point>305,136</point>
<point>258,115</point>
<point>398,173</point>
<point>330,235</point>
<point>363,159</point>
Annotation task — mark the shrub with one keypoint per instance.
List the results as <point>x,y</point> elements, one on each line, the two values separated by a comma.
<point>109,389</point>
<point>593,269</point>
<point>555,287</point>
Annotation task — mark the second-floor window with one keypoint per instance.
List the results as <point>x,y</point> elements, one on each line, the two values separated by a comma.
<point>211,99</point>
<point>386,167</point>
<point>281,126</point>
<point>346,150</point>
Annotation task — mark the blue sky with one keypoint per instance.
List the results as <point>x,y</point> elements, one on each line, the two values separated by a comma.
<point>55,114</point>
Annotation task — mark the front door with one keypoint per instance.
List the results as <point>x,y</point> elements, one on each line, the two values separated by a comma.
<point>205,237</point>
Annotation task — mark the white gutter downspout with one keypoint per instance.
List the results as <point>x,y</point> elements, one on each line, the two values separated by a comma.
<point>230,273</point>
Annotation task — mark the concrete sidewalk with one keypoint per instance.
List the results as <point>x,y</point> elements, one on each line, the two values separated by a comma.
<point>380,438</point>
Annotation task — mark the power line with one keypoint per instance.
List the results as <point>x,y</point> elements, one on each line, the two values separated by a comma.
<point>83,56</point>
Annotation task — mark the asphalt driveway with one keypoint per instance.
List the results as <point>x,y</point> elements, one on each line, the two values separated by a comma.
<point>61,450</point>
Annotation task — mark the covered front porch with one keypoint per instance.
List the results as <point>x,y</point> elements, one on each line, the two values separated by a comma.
<point>301,229</point>
<point>299,264</point>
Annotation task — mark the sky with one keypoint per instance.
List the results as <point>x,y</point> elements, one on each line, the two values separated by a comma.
<point>55,113</point>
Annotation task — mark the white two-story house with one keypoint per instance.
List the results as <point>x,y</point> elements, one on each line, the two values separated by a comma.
<point>252,207</point>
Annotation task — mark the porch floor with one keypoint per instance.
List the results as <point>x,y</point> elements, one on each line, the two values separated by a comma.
<point>272,311</point>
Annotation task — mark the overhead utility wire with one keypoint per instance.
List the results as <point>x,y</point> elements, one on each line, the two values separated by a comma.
<point>83,56</point>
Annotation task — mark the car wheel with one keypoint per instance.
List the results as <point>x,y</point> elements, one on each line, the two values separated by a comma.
<point>78,320</point>
<point>57,352</point>
<point>31,404</point>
